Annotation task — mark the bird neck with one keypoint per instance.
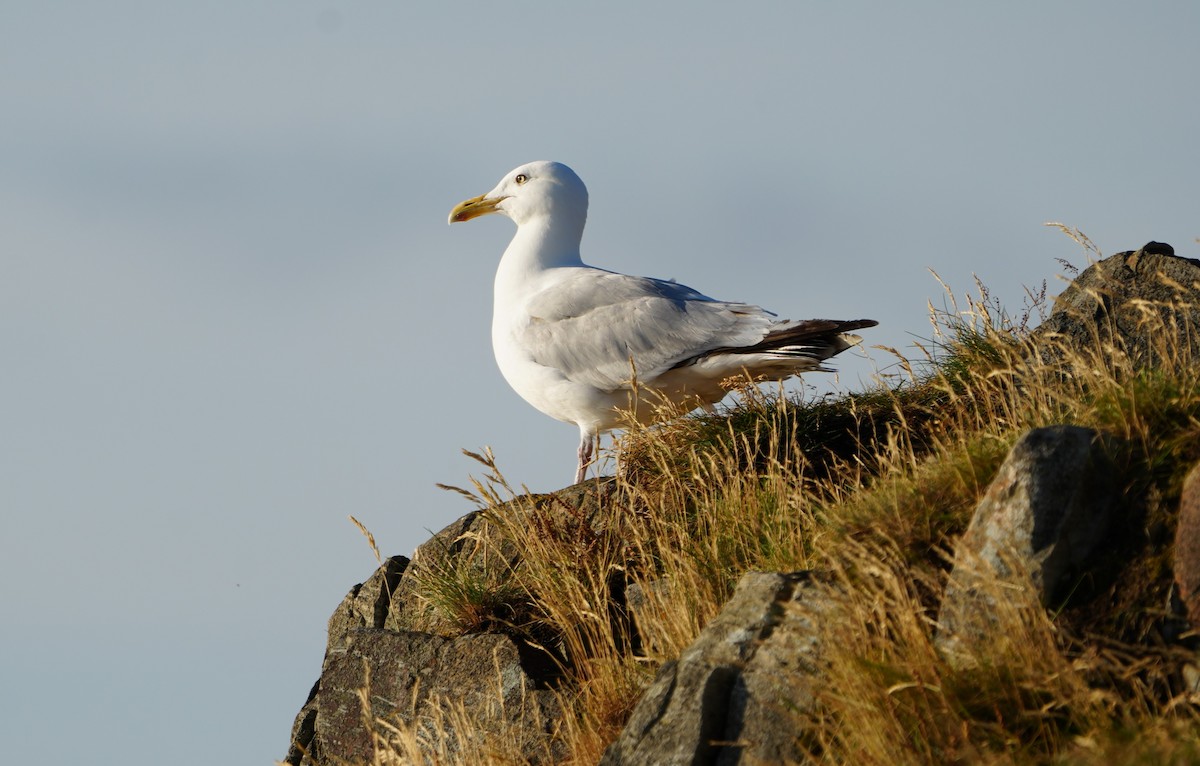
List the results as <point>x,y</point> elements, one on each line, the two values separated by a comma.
<point>542,244</point>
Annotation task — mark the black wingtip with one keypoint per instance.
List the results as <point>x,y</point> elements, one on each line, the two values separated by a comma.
<point>855,324</point>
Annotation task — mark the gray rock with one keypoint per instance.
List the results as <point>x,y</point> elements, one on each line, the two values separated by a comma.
<point>1049,505</point>
<point>733,695</point>
<point>303,750</point>
<point>396,601</point>
<point>419,677</point>
<point>1111,300</point>
<point>367,604</point>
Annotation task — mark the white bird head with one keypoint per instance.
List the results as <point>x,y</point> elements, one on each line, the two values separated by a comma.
<point>534,190</point>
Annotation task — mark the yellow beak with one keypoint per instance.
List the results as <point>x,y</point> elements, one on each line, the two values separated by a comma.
<point>474,207</point>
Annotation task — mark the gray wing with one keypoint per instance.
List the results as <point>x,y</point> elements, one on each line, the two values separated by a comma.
<point>591,325</point>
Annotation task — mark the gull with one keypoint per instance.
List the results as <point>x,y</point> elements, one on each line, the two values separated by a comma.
<point>595,348</point>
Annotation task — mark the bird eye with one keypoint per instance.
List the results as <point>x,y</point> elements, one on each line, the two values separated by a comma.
<point>521,178</point>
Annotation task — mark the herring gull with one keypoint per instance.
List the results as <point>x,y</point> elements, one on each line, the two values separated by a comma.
<point>593,347</point>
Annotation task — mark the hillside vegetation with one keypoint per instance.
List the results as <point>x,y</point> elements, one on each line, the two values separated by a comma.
<point>870,490</point>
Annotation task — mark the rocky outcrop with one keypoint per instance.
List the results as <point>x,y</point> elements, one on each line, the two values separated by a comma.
<point>378,674</point>
<point>401,658</point>
<point>400,639</point>
<point>392,639</point>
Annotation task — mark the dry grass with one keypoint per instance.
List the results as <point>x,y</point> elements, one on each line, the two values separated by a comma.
<point>873,488</point>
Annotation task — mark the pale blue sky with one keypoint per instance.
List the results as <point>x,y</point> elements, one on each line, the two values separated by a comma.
<point>232,313</point>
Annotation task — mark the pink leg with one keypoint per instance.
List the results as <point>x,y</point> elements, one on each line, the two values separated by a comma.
<point>587,449</point>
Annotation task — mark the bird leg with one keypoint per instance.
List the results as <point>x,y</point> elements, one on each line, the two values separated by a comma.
<point>587,448</point>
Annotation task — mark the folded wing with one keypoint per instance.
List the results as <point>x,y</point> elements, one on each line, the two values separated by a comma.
<point>594,324</point>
